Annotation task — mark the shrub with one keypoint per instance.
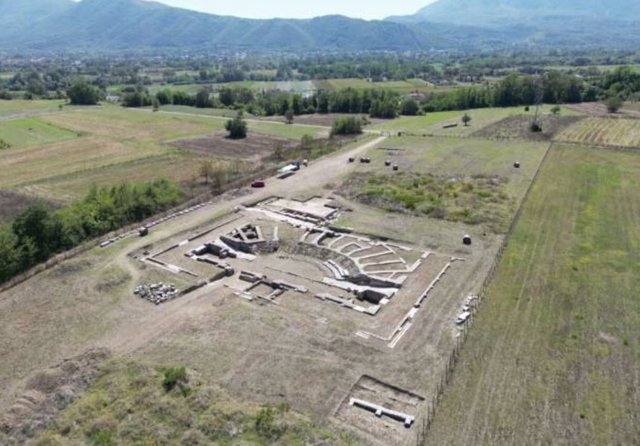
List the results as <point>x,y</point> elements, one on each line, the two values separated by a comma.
<point>237,127</point>
<point>613,104</point>
<point>265,422</point>
<point>4,145</point>
<point>174,376</point>
<point>535,127</point>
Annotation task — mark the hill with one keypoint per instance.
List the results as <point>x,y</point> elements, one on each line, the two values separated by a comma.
<point>135,24</point>
<point>501,12</point>
<point>539,23</point>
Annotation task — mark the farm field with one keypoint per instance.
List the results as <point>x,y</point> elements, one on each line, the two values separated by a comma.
<point>218,112</point>
<point>131,124</point>
<point>288,86</point>
<point>519,127</point>
<point>604,131</point>
<point>553,354</point>
<point>57,155</point>
<point>18,107</point>
<point>29,131</point>
<point>402,87</point>
<point>273,127</point>
<point>35,163</point>
<point>433,123</point>
<point>66,187</point>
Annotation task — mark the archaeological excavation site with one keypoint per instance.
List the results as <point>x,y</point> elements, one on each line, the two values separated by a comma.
<point>362,292</point>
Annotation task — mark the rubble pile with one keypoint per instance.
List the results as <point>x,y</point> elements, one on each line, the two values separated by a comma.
<point>157,293</point>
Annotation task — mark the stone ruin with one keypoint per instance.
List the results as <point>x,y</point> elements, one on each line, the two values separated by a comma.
<point>157,293</point>
<point>213,248</point>
<point>249,239</point>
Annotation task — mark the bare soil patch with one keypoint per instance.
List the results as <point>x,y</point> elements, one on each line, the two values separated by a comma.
<point>11,204</point>
<point>252,148</point>
<point>518,127</point>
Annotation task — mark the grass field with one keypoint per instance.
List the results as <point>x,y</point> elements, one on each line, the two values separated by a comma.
<point>553,355</point>
<point>402,87</point>
<point>604,131</point>
<point>461,157</point>
<point>58,156</point>
<point>36,163</point>
<point>483,168</point>
<point>433,123</point>
<point>219,112</point>
<point>73,185</point>
<point>117,122</point>
<point>18,107</point>
<point>30,131</point>
<point>294,131</point>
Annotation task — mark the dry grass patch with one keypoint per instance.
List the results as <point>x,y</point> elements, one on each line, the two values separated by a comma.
<point>472,200</point>
<point>132,403</point>
<point>37,163</point>
<point>604,131</point>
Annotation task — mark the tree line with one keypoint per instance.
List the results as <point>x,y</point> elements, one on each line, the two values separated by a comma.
<point>38,233</point>
<point>516,89</point>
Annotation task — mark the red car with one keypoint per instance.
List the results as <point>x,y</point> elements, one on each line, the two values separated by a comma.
<point>258,183</point>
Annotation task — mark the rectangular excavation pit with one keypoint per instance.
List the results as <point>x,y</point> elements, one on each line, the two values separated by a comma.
<point>384,411</point>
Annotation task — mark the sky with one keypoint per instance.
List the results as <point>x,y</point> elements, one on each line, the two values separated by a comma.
<point>366,9</point>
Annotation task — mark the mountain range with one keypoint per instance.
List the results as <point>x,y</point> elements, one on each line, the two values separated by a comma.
<point>136,25</point>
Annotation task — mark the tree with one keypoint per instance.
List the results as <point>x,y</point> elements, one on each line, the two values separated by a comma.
<point>555,110</point>
<point>346,126</point>
<point>237,127</point>
<point>82,93</point>
<point>409,108</point>
<point>613,104</point>
<point>206,170</point>
<point>466,119</point>
<point>289,116</point>
<point>9,254</point>
<point>164,97</point>
<point>203,98</point>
